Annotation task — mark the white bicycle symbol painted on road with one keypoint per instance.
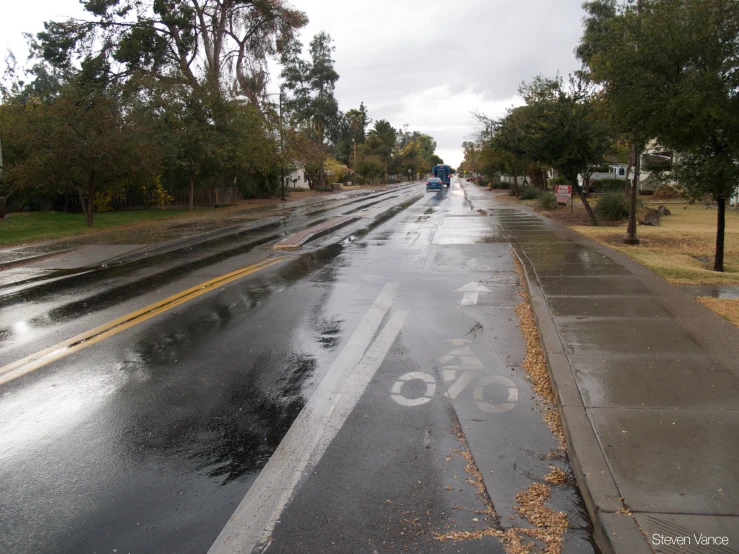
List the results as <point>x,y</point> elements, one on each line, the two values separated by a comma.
<point>462,374</point>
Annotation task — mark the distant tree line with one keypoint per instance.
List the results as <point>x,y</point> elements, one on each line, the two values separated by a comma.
<point>655,72</point>
<point>161,96</point>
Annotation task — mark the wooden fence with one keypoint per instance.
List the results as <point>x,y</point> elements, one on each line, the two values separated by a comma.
<point>208,197</point>
<point>144,198</point>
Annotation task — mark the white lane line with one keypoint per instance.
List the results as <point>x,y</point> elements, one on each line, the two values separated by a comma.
<point>254,519</point>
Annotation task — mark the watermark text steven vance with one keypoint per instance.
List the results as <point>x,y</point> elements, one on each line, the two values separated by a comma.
<point>688,540</point>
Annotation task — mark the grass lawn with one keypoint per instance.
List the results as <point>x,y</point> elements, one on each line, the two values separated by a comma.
<point>725,307</point>
<point>678,249</point>
<point>28,227</point>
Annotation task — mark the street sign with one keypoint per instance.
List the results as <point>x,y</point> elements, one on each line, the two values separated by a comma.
<point>564,193</point>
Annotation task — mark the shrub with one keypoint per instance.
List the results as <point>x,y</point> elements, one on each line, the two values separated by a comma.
<point>501,186</point>
<point>612,206</point>
<point>528,192</point>
<point>547,201</point>
<point>666,192</point>
<point>511,191</point>
<point>482,181</point>
<point>104,201</point>
<point>561,180</point>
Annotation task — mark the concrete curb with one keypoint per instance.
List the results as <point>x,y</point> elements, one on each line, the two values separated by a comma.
<point>187,242</point>
<point>286,245</point>
<point>615,533</point>
<point>171,246</point>
<point>30,259</point>
<point>147,252</point>
<point>160,249</point>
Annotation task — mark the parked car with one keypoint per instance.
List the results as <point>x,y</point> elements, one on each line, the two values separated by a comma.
<point>434,183</point>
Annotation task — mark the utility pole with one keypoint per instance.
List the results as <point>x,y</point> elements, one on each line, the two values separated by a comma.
<point>631,237</point>
<point>355,161</point>
<point>282,150</point>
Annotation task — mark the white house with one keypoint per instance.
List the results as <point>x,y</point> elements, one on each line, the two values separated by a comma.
<point>296,179</point>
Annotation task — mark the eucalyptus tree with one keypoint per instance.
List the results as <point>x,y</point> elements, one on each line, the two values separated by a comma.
<point>311,104</point>
<point>214,44</point>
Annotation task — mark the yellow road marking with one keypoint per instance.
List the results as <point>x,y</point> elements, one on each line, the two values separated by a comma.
<point>88,338</point>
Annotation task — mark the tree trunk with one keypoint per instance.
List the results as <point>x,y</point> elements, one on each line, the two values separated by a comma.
<point>82,203</point>
<point>584,200</point>
<point>718,264</point>
<point>90,198</point>
<point>192,193</point>
<point>515,186</point>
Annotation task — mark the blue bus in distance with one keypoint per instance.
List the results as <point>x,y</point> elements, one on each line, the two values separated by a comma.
<point>443,172</point>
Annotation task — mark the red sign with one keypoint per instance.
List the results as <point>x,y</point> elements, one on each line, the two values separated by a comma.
<point>564,193</point>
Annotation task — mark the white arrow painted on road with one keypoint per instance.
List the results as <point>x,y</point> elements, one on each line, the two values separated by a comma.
<point>471,293</point>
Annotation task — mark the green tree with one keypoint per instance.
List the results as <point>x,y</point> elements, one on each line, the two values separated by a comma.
<point>564,129</point>
<point>312,105</point>
<point>386,133</point>
<point>380,144</point>
<point>359,121</point>
<point>670,69</point>
<point>83,141</point>
<point>504,146</point>
<point>371,166</point>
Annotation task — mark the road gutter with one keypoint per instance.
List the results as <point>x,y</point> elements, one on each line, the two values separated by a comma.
<point>615,530</point>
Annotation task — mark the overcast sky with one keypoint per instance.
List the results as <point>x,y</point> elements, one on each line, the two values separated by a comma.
<point>424,63</point>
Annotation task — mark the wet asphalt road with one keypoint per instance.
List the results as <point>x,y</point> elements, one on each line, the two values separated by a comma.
<point>149,440</point>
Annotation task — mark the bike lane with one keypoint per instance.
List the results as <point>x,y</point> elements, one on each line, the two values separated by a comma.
<point>444,430</point>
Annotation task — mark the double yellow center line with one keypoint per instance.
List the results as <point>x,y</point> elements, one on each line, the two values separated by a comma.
<point>75,344</point>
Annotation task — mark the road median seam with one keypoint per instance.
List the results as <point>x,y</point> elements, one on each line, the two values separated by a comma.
<point>297,240</point>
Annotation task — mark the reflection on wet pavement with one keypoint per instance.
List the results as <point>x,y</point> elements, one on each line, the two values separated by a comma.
<point>161,432</point>
<point>713,291</point>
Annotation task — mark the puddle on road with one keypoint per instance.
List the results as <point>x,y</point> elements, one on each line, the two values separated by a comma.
<point>253,391</point>
<point>713,291</point>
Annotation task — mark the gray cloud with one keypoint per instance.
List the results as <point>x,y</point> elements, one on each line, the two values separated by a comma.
<point>427,63</point>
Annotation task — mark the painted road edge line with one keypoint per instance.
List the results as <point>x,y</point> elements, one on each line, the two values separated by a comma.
<point>253,521</point>
<point>63,349</point>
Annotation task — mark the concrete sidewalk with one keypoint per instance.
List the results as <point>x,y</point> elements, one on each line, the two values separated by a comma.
<point>647,384</point>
